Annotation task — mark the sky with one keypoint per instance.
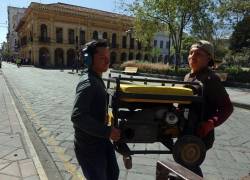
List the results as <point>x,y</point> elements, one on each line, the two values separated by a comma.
<point>106,5</point>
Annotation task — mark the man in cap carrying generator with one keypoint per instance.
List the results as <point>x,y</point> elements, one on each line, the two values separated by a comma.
<point>218,106</point>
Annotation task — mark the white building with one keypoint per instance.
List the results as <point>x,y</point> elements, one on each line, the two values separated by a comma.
<point>14,16</point>
<point>161,44</point>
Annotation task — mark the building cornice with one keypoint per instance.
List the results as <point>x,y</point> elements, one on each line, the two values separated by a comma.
<point>77,12</point>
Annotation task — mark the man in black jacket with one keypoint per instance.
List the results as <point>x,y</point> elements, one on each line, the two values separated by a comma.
<point>93,148</point>
<point>218,106</point>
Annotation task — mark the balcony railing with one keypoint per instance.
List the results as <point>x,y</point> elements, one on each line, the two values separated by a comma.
<point>44,39</point>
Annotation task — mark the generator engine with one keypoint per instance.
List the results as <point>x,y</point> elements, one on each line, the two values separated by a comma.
<point>149,125</point>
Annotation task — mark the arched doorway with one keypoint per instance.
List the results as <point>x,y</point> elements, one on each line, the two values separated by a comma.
<point>112,58</point>
<point>58,57</point>
<point>138,56</point>
<point>70,57</point>
<point>123,57</point>
<point>43,57</point>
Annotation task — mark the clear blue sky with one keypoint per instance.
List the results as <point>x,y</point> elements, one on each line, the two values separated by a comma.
<point>106,5</point>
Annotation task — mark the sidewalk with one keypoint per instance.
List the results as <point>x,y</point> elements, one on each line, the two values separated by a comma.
<point>240,97</point>
<point>18,160</point>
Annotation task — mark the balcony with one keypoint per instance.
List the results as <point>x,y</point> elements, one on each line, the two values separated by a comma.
<point>44,39</point>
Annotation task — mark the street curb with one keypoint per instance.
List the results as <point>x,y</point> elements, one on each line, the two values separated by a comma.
<point>241,105</point>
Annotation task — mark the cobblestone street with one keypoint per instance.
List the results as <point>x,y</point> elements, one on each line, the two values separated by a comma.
<point>47,97</point>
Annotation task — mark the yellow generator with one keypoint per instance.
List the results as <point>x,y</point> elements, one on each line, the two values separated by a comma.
<point>149,111</point>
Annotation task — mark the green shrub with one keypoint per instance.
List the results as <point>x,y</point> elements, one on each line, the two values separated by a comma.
<point>235,73</point>
<point>232,70</point>
<point>155,68</point>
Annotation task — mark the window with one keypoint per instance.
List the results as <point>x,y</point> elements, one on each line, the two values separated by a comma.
<point>95,35</point>
<point>124,41</point>
<point>161,44</point>
<point>132,43</point>
<point>71,36</point>
<point>105,35</point>
<point>167,44</point>
<point>113,40</point>
<point>44,33</point>
<point>155,43</point>
<point>82,37</point>
<point>59,35</point>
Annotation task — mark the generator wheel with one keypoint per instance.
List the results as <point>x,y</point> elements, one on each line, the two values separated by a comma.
<point>189,151</point>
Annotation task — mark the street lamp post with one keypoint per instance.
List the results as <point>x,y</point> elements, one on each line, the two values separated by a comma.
<point>77,54</point>
<point>129,34</point>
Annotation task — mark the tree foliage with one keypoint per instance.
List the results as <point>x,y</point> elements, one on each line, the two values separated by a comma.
<point>233,10</point>
<point>173,16</point>
<point>241,35</point>
<point>203,22</point>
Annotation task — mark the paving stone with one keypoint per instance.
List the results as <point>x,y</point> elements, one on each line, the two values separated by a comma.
<point>12,169</point>
<point>61,157</point>
<point>4,163</point>
<point>19,154</point>
<point>240,157</point>
<point>5,150</point>
<point>210,176</point>
<point>12,141</point>
<point>224,155</point>
<point>140,176</point>
<point>66,175</point>
<point>27,168</point>
<point>32,178</point>
<point>6,177</point>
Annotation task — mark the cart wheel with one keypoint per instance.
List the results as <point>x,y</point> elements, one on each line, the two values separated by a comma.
<point>189,151</point>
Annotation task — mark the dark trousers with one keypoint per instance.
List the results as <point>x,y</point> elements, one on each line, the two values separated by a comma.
<point>98,161</point>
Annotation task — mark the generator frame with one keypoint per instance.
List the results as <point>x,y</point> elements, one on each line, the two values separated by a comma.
<point>117,103</point>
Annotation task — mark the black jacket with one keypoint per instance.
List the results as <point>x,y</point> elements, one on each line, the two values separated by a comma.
<point>218,106</point>
<point>90,109</point>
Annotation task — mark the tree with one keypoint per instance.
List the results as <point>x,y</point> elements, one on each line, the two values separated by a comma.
<point>233,10</point>
<point>165,15</point>
<point>203,25</point>
<point>241,35</point>
<point>186,44</point>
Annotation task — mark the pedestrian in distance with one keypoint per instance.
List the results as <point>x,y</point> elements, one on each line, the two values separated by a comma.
<point>18,62</point>
<point>218,106</point>
<point>93,147</point>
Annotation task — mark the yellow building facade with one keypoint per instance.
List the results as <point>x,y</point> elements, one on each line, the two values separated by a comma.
<point>50,35</point>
